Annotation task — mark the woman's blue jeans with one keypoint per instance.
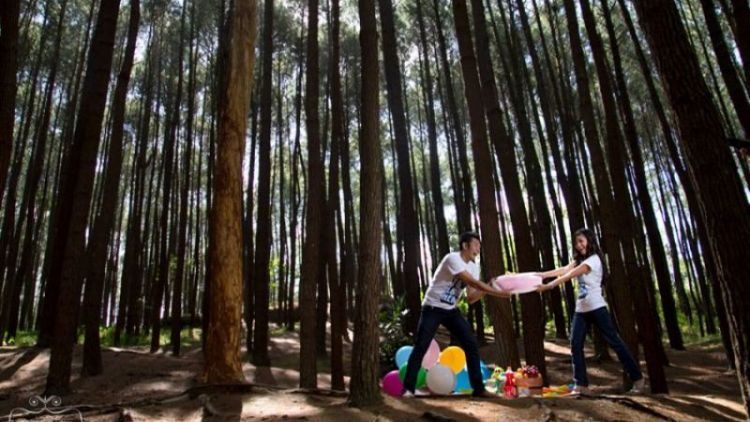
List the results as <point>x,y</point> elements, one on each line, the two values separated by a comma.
<point>599,317</point>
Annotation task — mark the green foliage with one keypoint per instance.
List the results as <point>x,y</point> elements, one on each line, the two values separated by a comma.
<point>392,323</point>
<point>189,337</point>
<point>278,330</point>
<point>707,341</point>
<point>463,306</point>
<point>23,339</point>
<point>691,333</point>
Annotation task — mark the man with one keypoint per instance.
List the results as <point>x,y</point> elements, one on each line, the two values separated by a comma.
<point>456,271</point>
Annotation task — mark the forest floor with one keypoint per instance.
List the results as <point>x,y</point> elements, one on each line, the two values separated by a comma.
<point>140,386</point>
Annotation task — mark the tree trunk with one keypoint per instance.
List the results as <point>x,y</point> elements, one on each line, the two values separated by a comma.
<point>646,316</point>
<point>499,309</point>
<point>690,193</point>
<point>644,197</point>
<point>282,134</point>
<point>321,306</point>
<point>249,241</point>
<point>8,237</point>
<point>533,325</point>
<point>311,252</point>
<point>101,233</point>
<point>407,218</point>
<point>263,234</point>
<point>732,80</point>
<point>723,205</point>
<point>562,180</point>
<point>561,95</point>
<point>294,191</point>
<point>741,12</point>
<point>193,300</point>
<point>182,220</point>
<point>222,346</point>
<point>9,13</point>
<point>161,283</point>
<point>14,276</point>
<point>542,222</point>
<point>682,298</point>
<point>130,287</point>
<point>364,381</point>
<point>464,203</point>
<point>620,300</point>
<point>434,163</point>
<point>337,134</point>
<point>350,228</point>
<point>77,189</point>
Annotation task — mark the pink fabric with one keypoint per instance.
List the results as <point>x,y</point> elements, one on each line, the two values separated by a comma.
<point>517,283</point>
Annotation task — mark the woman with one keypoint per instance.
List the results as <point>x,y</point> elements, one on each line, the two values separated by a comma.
<point>590,309</point>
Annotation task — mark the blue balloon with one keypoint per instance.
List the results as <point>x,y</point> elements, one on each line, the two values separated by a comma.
<point>486,372</point>
<point>402,355</point>
<point>462,382</point>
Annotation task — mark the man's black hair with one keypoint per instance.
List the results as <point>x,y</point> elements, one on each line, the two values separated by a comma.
<point>466,238</point>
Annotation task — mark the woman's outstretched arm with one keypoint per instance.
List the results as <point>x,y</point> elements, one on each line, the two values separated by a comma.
<point>557,271</point>
<point>569,275</point>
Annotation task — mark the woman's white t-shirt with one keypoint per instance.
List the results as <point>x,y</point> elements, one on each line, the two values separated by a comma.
<point>590,295</point>
<point>445,287</point>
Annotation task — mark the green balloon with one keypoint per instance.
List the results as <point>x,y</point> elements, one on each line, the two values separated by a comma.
<point>421,376</point>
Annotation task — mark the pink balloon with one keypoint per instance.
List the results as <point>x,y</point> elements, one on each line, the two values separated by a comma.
<point>517,283</point>
<point>392,384</point>
<point>432,355</point>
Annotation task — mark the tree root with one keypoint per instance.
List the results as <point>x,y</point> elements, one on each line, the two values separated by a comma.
<point>435,417</point>
<point>200,392</point>
<point>549,414</point>
<point>632,404</point>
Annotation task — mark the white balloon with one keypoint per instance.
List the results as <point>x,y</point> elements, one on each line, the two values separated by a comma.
<point>440,379</point>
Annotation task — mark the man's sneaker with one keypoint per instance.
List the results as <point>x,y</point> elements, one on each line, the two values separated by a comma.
<point>638,386</point>
<point>581,390</point>
<point>407,395</point>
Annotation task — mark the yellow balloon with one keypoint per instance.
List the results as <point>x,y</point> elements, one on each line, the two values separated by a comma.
<point>454,358</point>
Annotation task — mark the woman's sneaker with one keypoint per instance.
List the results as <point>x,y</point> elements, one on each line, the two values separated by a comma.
<point>639,387</point>
<point>581,390</point>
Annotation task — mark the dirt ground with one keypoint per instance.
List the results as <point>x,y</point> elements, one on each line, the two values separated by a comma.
<point>140,386</point>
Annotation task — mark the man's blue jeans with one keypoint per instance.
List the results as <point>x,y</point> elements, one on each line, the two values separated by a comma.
<point>429,321</point>
<point>600,318</point>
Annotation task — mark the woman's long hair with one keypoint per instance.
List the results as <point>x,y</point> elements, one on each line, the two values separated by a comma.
<point>591,248</point>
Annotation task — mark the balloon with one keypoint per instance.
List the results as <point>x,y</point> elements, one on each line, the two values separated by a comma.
<point>402,355</point>
<point>454,358</point>
<point>440,379</point>
<point>486,372</point>
<point>517,283</point>
<point>431,357</point>
<point>392,384</point>
<point>421,376</point>
<point>462,382</point>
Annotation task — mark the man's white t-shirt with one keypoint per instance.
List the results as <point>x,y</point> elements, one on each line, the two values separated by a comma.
<point>445,287</point>
<point>590,286</point>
